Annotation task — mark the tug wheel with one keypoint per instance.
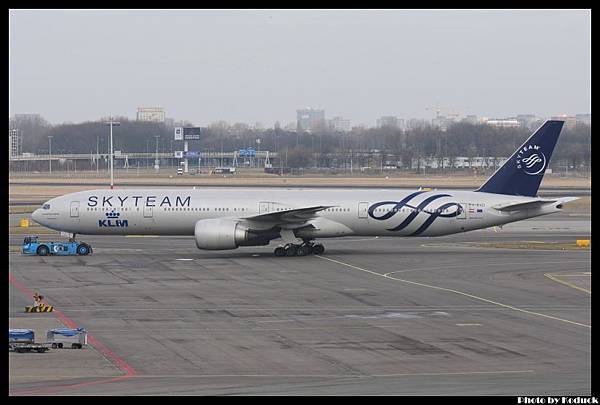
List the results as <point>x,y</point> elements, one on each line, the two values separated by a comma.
<point>42,250</point>
<point>83,249</point>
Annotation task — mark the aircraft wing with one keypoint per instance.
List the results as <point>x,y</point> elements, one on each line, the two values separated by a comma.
<point>531,204</point>
<point>290,216</point>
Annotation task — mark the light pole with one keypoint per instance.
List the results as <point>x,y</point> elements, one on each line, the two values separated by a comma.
<point>50,152</point>
<point>258,154</point>
<point>156,165</point>
<point>111,123</point>
<point>97,152</point>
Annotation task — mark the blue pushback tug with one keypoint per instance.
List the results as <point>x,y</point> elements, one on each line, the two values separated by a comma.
<point>32,246</point>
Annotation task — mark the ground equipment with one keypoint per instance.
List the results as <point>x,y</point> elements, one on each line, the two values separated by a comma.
<point>32,246</point>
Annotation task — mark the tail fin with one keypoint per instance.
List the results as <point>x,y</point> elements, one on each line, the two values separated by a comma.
<point>523,172</point>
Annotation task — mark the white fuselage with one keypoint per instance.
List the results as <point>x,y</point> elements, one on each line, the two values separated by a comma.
<point>353,211</point>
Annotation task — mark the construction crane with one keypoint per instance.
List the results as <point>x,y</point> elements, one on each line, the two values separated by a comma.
<point>452,112</point>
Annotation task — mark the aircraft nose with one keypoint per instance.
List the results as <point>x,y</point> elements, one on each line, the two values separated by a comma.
<point>37,216</point>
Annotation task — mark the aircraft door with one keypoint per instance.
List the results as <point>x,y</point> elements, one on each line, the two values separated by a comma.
<point>74,209</point>
<point>463,211</point>
<point>363,208</point>
<point>148,212</point>
<point>263,207</point>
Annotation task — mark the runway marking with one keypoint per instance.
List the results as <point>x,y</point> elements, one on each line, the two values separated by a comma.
<point>178,376</point>
<point>455,292</point>
<point>468,324</point>
<point>141,236</point>
<point>550,276</point>
<point>303,309</point>
<point>463,245</point>
<point>185,260</point>
<point>462,266</point>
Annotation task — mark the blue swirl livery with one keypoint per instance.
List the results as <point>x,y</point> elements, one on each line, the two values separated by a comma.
<point>421,208</point>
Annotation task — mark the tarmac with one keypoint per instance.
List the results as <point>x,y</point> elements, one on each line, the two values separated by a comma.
<point>371,316</point>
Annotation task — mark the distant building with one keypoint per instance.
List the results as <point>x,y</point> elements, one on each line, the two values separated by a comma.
<point>339,124</point>
<point>360,127</point>
<point>290,126</point>
<point>460,162</point>
<point>570,120</point>
<point>415,123</point>
<point>14,143</point>
<point>170,122</point>
<point>390,122</point>
<point>183,123</point>
<point>309,119</point>
<point>442,122</point>
<point>503,123</point>
<point>529,121</point>
<point>472,119</point>
<point>150,114</point>
<point>28,117</point>
<point>585,119</point>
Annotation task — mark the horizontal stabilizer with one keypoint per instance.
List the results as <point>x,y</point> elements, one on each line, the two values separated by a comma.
<point>528,205</point>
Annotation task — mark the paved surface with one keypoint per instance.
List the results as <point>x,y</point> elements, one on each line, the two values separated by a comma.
<point>65,364</point>
<point>413,316</point>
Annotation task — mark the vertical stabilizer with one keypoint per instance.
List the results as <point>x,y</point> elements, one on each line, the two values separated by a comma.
<point>523,172</point>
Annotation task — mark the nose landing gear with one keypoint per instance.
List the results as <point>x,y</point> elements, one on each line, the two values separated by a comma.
<point>304,249</point>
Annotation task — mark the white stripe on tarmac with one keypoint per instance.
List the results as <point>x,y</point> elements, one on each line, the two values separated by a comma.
<point>455,292</point>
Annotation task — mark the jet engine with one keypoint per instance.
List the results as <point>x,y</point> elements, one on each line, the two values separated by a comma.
<point>222,234</point>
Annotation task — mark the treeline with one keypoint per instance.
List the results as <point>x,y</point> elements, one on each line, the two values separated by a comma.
<point>309,149</point>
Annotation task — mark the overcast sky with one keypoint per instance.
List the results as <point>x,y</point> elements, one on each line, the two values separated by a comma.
<point>260,65</point>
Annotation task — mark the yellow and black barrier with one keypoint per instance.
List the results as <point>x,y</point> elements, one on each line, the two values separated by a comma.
<point>41,308</point>
<point>583,242</point>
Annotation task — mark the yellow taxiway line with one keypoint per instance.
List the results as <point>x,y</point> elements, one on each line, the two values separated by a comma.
<point>553,278</point>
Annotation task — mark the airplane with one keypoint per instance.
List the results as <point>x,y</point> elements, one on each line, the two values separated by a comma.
<point>227,218</point>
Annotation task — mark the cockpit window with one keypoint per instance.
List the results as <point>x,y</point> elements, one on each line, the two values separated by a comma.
<point>46,206</point>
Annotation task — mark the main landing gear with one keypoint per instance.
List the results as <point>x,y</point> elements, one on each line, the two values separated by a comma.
<point>306,248</point>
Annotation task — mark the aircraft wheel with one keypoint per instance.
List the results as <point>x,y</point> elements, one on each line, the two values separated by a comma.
<point>290,250</point>
<point>318,249</point>
<point>279,251</point>
<point>302,250</point>
<point>42,250</point>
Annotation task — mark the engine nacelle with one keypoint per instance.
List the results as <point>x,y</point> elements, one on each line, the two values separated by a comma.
<point>222,234</point>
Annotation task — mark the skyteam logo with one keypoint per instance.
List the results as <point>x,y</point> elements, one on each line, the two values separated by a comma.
<point>113,221</point>
<point>447,210</point>
<point>531,160</point>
